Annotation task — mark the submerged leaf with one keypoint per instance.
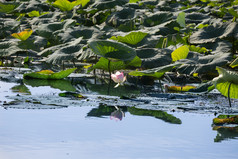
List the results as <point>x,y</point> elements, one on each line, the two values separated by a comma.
<point>23,35</point>
<point>48,74</point>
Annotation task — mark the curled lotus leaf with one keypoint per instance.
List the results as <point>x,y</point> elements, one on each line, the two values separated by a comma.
<point>225,80</point>
<point>203,64</point>
<point>132,38</point>
<point>196,17</point>
<point>112,49</point>
<point>8,48</point>
<point>180,53</point>
<point>23,35</point>
<point>122,17</point>
<point>48,30</point>
<point>108,4</point>
<point>214,32</point>
<point>65,53</point>
<point>157,18</point>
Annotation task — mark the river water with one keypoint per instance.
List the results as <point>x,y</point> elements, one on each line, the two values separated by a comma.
<point>76,131</point>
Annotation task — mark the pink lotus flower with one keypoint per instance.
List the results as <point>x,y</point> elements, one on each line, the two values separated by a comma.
<point>118,78</point>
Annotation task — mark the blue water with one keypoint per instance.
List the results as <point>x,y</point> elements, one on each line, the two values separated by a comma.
<point>68,133</point>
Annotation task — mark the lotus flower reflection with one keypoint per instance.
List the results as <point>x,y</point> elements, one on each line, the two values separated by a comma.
<point>118,78</point>
<point>117,115</point>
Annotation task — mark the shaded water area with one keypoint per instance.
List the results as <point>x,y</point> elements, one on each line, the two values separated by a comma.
<point>36,122</point>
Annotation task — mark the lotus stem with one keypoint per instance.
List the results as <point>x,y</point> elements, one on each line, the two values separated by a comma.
<point>109,70</point>
<point>229,99</point>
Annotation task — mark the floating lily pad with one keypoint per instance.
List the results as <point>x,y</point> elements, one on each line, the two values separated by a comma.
<point>48,74</point>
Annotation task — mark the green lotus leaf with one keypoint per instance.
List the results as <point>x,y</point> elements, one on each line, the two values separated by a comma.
<point>134,1</point>
<point>8,48</point>
<point>197,18</point>
<point>123,19</point>
<point>181,19</point>
<point>65,5</point>
<point>35,13</point>
<point>48,30</point>
<point>47,74</point>
<point>76,32</point>
<point>203,64</point>
<point>214,32</point>
<point>65,53</point>
<point>103,64</point>
<point>132,38</point>
<point>157,18</point>
<point>224,80</point>
<point>115,65</point>
<point>180,53</point>
<point>108,4</point>
<point>155,72</point>
<point>234,63</point>
<point>152,58</point>
<point>7,7</point>
<point>173,39</point>
<point>111,49</point>
<point>197,49</point>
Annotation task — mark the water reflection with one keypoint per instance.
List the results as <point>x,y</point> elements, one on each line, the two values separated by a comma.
<point>117,113</point>
<point>63,85</point>
<point>225,133</point>
<point>21,89</point>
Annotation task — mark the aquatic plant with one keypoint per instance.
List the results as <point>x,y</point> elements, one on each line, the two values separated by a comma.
<point>118,78</point>
<point>24,35</point>
<point>227,83</point>
<point>48,74</point>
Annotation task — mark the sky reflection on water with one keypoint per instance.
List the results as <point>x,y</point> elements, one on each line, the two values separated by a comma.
<point>78,132</point>
<point>68,133</point>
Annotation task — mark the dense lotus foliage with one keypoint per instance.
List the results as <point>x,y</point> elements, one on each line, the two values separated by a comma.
<point>143,37</point>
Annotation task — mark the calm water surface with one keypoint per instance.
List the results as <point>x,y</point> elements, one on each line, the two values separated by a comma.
<point>69,133</point>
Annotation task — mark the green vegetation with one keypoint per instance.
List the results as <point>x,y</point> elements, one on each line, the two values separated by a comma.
<point>194,39</point>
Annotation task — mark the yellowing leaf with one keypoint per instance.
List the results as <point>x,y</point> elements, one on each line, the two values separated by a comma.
<point>23,35</point>
<point>47,72</point>
<point>87,66</point>
<point>180,88</point>
<point>180,53</point>
<point>234,63</point>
